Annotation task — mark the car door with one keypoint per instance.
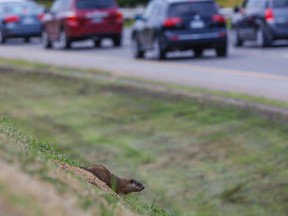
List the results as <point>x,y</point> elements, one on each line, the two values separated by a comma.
<point>143,25</point>
<point>243,20</point>
<point>253,15</point>
<point>280,11</point>
<point>49,20</point>
<point>61,13</point>
<point>152,24</point>
<point>1,16</point>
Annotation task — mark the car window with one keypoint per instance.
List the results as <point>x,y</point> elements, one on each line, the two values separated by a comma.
<point>149,10</point>
<point>56,6</point>
<point>280,3</point>
<point>66,5</point>
<point>61,5</point>
<point>26,8</point>
<point>192,8</point>
<point>94,4</point>
<point>156,12</point>
<point>256,4</point>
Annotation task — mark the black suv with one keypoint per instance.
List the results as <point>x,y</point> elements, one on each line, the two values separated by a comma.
<point>262,21</point>
<point>169,25</point>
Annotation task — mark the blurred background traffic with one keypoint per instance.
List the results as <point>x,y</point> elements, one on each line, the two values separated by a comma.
<point>162,26</point>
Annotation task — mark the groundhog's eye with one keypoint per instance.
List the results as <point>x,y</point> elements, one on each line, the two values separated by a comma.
<point>131,181</point>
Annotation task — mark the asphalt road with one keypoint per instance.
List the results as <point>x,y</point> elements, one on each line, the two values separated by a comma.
<point>249,70</point>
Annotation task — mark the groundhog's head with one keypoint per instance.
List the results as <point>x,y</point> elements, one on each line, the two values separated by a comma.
<point>134,186</point>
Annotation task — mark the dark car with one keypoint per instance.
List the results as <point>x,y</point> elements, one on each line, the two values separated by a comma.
<point>75,20</point>
<point>169,25</point>
<point>20,19</point>
<point>262,21</point>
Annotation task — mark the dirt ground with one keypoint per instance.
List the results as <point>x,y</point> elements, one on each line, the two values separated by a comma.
<point>28,196</point>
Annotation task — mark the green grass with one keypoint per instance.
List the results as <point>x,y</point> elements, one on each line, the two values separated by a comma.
<point>36,158</point>
<point>194,158</point>
<point>229,3</point>
<point>99,74</point>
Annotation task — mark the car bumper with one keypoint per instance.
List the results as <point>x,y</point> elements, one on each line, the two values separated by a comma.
<point>14,32</point>
<point>172,41</point>
<point>78,33</point>
<point>94,36</point>
<point>279,31</point>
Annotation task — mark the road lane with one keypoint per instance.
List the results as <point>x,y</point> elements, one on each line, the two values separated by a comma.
<point>249,70</point>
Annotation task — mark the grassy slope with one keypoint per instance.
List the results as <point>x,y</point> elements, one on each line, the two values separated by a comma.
<point>194,159</point>
<point>31,184</point>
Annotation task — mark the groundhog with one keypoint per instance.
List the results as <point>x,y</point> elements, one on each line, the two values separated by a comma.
<point>120,185</point>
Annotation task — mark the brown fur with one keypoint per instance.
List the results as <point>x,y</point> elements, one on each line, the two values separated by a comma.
<point>119,184</point>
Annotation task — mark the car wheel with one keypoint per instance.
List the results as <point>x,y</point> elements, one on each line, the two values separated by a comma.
<point>2,38</point>
<point>137,52</point>
<point>158,52</point>
<point>26,39</point>
<point>238,41</point>
<point>64,42</point>
<point>198,53</point>
<point>97,43</point>
<point>117,40</point>
<point>222,51</point>
<point>261,38</point>
<point>46,43</point>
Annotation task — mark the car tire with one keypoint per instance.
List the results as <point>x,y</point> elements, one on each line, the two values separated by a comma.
<point>159,53</point>
<point>46,43</point>
<point>222,51</point>
<point>64,41</point>
<point>117,41</point>
<point>198,53</point>
<point>137,52</point>
<point>26,40</point>
<point>262,39</point>
<point>2,38</point>
<point>97,43</point>
<point>238,41</point>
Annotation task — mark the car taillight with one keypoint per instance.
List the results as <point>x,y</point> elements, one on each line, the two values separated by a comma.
<point>40,16</point>
<point>72,20</point>
<point>269,16</point>
<point>172,22</point>
<point>11,19</point>
<point>218,18</point>
<point>119,17</point>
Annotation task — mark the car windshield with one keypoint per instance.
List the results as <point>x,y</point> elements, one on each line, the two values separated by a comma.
<point>25,8</point>
<point>256,4</point>
<point>94,4</point>
<point>192,8</point>
<point>280,3</point>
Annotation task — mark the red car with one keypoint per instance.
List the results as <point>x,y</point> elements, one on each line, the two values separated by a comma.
<point>75,20</point>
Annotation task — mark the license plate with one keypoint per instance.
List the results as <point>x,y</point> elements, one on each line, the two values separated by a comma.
<point>97,19</point>
<point>28,21</point>
<point>197,24</point>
